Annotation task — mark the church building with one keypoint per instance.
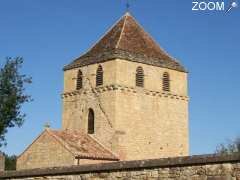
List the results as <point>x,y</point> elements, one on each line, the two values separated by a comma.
<point>124,99</point>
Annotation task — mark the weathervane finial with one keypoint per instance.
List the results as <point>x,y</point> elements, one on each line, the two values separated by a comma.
<point>127,6</point>
<point>47,125</point>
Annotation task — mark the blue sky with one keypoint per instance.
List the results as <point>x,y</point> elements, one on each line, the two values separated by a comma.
<point>50,34</point>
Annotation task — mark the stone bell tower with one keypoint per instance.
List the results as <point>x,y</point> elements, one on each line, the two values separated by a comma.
<point>129,94</point>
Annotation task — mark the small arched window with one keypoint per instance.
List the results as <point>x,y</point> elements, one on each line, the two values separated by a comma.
<point>79,80</point>
<point>90,121</point>
<point>99,76</point>
<point>166,82</point>
<point>140,77</point>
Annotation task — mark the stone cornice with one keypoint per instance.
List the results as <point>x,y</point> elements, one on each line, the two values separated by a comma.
<point>102,89</point>
<point>125,55</point>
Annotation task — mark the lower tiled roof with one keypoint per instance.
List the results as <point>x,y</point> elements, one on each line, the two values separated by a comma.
<point>82,145</point>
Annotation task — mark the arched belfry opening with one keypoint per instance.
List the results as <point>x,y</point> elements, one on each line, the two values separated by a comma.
<point>91,121</point>
<point>140,77</point>
<point>79,82</point>
<point>166,82</point>
<point>99,76</point>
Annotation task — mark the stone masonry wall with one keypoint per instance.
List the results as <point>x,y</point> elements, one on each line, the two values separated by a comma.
<point>155,127</point>
<point>203,167</point>
<point>76,104</point>
<point>135,123</point>
<point>153,123</point>
<point>44,152</point>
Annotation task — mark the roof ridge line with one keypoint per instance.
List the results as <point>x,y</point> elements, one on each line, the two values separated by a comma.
<point>31,143</point>
<point>59,140</point>
<point>153,39</point>
<point>124,23</point>
<point>103,146</point>
<point>109,30</point>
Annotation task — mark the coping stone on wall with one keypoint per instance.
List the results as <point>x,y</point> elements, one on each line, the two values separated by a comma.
<point>125,165</point>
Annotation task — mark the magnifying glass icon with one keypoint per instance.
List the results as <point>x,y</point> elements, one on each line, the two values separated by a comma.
<point>232,5</point>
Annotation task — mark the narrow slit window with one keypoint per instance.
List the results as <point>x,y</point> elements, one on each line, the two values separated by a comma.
<point>79,80</point>
<point>140,77</point>
<point>166,82</point>
<point>99,76</point>
<point>91,121</point>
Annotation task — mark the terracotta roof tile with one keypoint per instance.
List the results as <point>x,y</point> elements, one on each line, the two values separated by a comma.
<point>127,40</point>
<point>82,145</point>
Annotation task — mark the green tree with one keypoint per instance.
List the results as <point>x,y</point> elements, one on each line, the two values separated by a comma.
<point>230,147</point>
<point>12,96</point>
<point>10,162</point>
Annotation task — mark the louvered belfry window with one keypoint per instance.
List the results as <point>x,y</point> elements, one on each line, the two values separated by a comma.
<point>140,77</point>
<point>90,121</point>
<point>79,80</point>
<point>99,76</point>
<point>166,82</point>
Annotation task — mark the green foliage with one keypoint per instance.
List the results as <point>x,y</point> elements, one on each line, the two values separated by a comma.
<point>229,148</point>
<point>10,162</point>
<point>12,96</point>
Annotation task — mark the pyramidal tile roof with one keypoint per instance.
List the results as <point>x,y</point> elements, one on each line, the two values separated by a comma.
<point>127,40</point>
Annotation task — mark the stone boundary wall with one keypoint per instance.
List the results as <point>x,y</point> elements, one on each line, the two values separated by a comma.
<point>200,167</point>
<point>2,162</point>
